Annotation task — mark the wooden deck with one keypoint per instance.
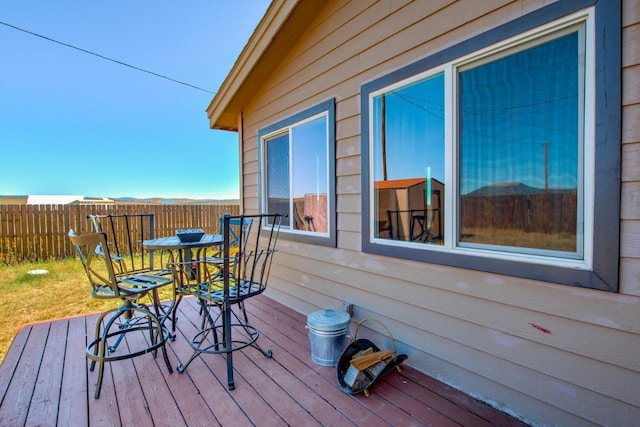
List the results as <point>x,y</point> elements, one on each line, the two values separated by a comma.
<point>44,381</point>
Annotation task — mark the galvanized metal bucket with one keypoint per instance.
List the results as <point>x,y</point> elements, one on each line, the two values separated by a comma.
<point>328,330</point>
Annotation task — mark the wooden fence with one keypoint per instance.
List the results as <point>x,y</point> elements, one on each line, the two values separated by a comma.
<point>39,232</point>
<point>544,213</point>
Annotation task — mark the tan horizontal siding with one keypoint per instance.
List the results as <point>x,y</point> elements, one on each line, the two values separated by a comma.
<point>350,222</point>
<point>631,85</point>
<point>631,127</point>
<point>348,147</point>
<point>609,327</point>
<point>630,12</point>
<point>631,160</point>
<point>350,184</point>
<point>630,190</point>
<point>348,166</point>
<point>631,43</point>
<point>560,354</point>
<point>489,329</point>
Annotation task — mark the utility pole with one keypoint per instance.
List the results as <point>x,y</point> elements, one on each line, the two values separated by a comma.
<point>546,166</point>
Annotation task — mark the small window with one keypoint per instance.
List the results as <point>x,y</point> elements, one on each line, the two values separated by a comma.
<point>297,164</point>
<point>409,161</point>
<point>488,159</point>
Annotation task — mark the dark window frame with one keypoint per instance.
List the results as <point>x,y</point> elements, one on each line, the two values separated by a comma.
<point>327,107</point>
<point>607,134</point>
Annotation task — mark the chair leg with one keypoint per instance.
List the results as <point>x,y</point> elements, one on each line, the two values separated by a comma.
<point>164,313</point>
<point>205,312</point>
<point>98,349</point>
<point>98,338</point>
<point>196,342</point>
<point>231,320</point>
<point>157,333</point>
<point>100,369</point>
<point>228,341</point>
<point>174,318</point>
<point>250,331</point>
<point>244,312</point>
<point>197,345</point>
<point>102,344</point>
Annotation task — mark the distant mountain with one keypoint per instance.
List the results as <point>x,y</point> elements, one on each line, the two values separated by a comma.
<point>513,188</point>
<point>173,201</point>
<point>22,200</point>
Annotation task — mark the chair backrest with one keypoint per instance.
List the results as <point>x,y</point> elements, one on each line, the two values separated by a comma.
<point>93,251</point>
<point>237,226</point>
<point>124,234</point>
<point>251,264</point>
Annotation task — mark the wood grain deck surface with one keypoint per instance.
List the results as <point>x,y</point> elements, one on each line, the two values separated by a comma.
<point>44,381</point>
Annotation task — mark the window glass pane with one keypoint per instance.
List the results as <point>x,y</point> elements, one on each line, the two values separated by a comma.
<point>408,157</point>
<point>278,176</point>
<point>309,150</point>
<point>519,148</point>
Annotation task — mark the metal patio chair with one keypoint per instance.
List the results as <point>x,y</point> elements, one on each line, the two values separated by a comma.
<point>243,274</point>
<point>238,228</point>
<point>125,234</point>
<point>133,319</point>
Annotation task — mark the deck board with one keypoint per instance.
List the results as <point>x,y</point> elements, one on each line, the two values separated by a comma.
<point>44,380</point>
<point>73,391</point>
<point>47,388</point>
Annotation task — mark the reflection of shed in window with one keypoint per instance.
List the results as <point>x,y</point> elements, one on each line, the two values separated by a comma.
<point>404,212</point>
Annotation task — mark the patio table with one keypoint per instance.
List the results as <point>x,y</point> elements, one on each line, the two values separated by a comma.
<point>172,243</point>
<point>183,250</point>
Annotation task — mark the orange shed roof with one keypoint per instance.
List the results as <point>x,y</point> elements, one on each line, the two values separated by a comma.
<point>398,183</point>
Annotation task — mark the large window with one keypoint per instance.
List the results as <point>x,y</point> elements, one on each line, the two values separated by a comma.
<point>520,131</point>
<point>489,160</point>
<point>297,169</point>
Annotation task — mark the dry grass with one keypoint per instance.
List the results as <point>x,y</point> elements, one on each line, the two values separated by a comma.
<point>505,237</point>
<point>26,298</point>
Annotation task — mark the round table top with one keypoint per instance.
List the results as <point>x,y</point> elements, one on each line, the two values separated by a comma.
<point>173,242</point>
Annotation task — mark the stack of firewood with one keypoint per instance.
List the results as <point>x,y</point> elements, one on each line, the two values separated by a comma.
<point>365,366</point>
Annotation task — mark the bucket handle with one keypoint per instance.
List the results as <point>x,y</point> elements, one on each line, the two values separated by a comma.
<point>393,340</point>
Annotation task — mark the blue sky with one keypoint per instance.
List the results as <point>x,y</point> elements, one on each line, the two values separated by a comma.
<point>518,122</point>
<point>73,123</point>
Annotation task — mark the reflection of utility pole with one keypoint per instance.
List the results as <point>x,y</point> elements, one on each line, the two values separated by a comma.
<point>384,137</point>
<point>317,178</point>
<point>546,166</point>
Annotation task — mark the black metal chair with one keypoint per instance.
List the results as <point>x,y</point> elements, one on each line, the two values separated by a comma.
<point>219,288</point>
<point>237,228</point>
<point>125,234</point>
<point>133,319</point>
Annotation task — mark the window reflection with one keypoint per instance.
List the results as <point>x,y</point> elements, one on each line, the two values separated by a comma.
<point>278,176</point>
<point>519,148</point>
<point>408,155</point>
<point>297,175</point>
<point>310,175</point>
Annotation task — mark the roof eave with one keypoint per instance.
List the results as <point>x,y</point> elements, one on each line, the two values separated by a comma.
<point>280,27</point>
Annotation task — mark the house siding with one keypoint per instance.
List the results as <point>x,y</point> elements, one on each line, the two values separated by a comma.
<point>630,188</point>
<point>549,353</point>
